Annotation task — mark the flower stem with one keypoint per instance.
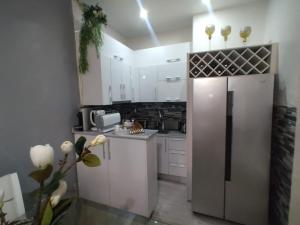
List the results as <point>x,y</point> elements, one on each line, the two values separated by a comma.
<point>71,165</point>
<point>63,162</point>
<point>2,218</point>
<point>38,209</point>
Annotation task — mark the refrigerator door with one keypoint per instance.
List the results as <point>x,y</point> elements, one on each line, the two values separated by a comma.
<point>209,139</point>
<point>247,186</point>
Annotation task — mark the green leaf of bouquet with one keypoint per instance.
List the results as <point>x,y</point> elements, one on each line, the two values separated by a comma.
<point>79,145</point>
<point>41,175</point>
<point>60,210</point>
<point>91,160</point>
<point>47,215</point>
<point>54,183</point>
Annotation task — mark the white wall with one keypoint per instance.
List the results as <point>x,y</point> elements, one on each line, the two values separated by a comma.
<point>165,38</point>
<point>239,16</point>
<point>282,26</point>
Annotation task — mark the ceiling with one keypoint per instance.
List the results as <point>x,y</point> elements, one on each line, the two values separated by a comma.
<point>164,15</point>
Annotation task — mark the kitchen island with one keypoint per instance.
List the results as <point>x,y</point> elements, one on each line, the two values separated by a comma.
<point>127,177</point>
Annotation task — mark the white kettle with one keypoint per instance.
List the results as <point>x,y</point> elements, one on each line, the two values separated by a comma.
<point>94,114</point>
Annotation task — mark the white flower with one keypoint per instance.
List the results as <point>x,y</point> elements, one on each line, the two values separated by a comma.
<point>98,140</point>
<point>1,198</point>
<point>95,12</point>
<point>58,193</point>
<point>67,147</point>
<point>41,155</point>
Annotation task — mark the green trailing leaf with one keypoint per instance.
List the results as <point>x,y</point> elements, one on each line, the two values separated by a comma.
<point>91,160</point>
<point>90,33</point>
<point>54,183</point>
<point>41,175</point>
<point>79,145</point>
<point>47,214</point>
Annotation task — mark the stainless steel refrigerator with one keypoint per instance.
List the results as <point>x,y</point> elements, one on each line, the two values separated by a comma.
<point>231,130</point>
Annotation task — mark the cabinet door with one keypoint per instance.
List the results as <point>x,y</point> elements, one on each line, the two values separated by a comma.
<point>171,91</point>
<point>126,81</point>
<point>135,85</point>
<point>162,153</point>
<point>172,71</point>
<point>106,80</point>
<point>93,182</point>
<point>116,78</point>
<point>90,82</point>
<point>128,174</point>
<point>147,83</point>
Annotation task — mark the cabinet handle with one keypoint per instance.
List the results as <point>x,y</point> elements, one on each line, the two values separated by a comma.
<point>173,60</point>
<point>177,165</point>
<point>110,93</point>
<point>103,148</point>
<point>121,92</point>
<point>155,94</point>
<point>229,127</point>
<point>124,92</point>
<point>109,153</point>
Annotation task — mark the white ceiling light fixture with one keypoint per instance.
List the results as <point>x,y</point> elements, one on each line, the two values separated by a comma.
<point>208,5</point>
<point>144,14</point>
<point>206,2</point>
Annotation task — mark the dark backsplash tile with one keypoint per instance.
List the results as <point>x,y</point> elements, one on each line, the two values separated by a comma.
<point>149,112</point>
<point>283,138</point>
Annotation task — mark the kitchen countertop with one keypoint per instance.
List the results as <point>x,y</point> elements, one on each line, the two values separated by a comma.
<point>171,134</point>
<point>143,136</point>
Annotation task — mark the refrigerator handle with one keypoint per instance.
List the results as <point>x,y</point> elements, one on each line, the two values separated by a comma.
<point>229,126</point>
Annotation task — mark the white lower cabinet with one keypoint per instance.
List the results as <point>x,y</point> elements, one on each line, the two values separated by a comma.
<point>93,182</point>
<point>127,177</point>
<point>172,158</point>
<point>163,156</point>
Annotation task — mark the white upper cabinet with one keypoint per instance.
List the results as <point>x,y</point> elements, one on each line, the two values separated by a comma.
<point>108,77</point>
<point>162,55</point>
<point>135,88</point>
<point>172,71</point>
<point>121,74</point>
<point>116,77</point>
<point>121,80</point>
<point>163,73</point>
<point>126,83</point>
<point>171,91</point>
<point>147,84</point>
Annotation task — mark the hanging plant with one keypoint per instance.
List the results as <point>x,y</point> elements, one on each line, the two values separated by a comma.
<point>90,33</point>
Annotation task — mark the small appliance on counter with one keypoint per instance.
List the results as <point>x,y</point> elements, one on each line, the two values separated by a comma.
<point>95,118</point>
<point>104,122</point>
<point>84,121</point>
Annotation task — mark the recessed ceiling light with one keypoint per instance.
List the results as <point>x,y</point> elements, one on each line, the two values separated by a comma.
<point>206,2</point>
<point>144,14</point>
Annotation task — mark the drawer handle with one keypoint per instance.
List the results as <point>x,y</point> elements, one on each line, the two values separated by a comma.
<point>177,165</point>
<point>173,60</point>
<point>177,153</point>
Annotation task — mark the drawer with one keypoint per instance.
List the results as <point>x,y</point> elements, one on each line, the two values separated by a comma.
<point>178,158</point>
<point>179,170</point>
<point>176,144</point>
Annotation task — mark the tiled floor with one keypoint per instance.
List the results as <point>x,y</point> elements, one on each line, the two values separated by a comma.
<point>174,209</point>
<point>94,214</point>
